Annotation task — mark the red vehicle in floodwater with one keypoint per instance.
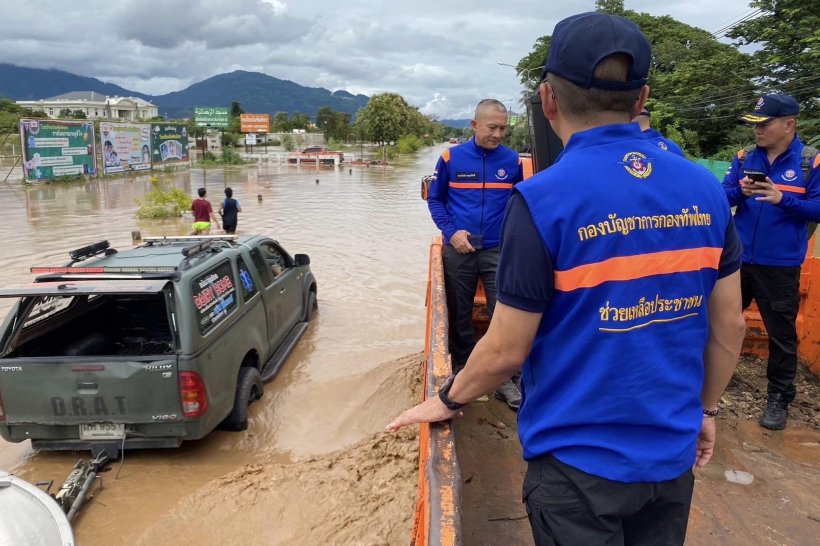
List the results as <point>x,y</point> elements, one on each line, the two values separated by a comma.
<point>317,154</point>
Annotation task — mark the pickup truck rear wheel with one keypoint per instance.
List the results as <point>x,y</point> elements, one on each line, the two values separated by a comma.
<point>248,388</point>
<point>311,306</point>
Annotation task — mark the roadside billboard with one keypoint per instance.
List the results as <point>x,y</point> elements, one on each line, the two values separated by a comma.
<point>254,123</point>
<point>169,144</point>
<point>54,148</point>
<point>211,116</point>
<point>125,146</point>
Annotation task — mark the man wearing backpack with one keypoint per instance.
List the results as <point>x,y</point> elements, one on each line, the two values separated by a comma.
<point>775,186</point>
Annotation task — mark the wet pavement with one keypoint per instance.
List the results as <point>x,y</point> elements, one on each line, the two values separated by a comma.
<point>781,505</point>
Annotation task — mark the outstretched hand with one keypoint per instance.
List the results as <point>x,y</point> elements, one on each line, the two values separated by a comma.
<point>706,442</point>
<point>431,410</point>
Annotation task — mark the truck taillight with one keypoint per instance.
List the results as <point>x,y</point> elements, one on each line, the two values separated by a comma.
<point>192,394</point>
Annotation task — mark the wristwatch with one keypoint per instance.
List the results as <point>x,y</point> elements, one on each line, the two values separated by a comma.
<point>444,391</point>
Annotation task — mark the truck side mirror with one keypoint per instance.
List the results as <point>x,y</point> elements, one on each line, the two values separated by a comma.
<point>301,259</point>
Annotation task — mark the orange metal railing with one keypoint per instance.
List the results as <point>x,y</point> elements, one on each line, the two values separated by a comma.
<point>438,506</point>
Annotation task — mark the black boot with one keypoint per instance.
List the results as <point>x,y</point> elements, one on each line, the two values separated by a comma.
<point>776,412</point>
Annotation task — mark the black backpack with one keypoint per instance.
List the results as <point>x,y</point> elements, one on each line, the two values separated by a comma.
<point>806,157</point>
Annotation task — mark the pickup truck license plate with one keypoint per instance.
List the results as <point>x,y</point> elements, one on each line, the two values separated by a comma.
<point>102,431</point>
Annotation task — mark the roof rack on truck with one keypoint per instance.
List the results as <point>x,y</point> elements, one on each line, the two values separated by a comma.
<point>189,238</point>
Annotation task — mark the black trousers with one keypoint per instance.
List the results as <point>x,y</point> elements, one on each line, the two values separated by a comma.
<point>776,290</point>
<point>461,274</point>
<point>569,507</point>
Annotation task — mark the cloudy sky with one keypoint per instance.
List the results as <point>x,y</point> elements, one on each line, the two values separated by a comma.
<point>440,55</point>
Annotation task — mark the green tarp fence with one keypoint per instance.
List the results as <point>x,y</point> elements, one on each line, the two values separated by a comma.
<point>718,168</point>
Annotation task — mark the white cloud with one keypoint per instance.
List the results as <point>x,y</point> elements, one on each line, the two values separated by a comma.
<point>441,56</point>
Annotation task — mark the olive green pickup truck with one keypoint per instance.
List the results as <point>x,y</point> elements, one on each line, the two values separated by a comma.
<point>150,346</point>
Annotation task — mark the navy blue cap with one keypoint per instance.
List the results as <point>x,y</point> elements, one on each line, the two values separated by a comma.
<point>579,43</point>
<point>770,107</point>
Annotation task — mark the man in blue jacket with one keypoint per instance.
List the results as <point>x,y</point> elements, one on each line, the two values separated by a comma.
<point>472,184</point>
<point>775,186</point>
<point>619,291</point>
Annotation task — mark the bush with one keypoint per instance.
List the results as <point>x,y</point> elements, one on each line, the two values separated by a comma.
<point>230,157</point>
<point>287,142</point>
<point>275,142</point>
<point>408,144</point>
<point>163,202</point>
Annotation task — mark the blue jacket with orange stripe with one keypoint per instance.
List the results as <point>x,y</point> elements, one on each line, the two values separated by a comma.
<point>775,234</point>
<point>613,380</point>
<point>471,188</point>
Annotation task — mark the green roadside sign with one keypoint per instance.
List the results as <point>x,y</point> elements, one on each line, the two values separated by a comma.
<point>211,116</point>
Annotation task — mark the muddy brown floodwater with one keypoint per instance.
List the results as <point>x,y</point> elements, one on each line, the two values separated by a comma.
<point>314,466</point>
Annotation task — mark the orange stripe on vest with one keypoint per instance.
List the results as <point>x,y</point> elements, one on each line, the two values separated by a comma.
<point>793,189</point>
<point>479,185</point>
<point>627,268</point>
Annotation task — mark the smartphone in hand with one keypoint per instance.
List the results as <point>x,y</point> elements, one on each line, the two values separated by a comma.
<point>755,176</point>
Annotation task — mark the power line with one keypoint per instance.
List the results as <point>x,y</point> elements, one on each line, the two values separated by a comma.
<point>740,100</point>
<point>728,93</point>
<point>752,15</point>
<point>729,21</point>
<point>690,111</point>
<point>804,83</point>
<point>748,17</point>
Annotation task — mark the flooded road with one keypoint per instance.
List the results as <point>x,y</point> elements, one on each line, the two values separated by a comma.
<point>367,233</point>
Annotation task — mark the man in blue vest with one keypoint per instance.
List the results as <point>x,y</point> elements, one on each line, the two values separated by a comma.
<point>471,188</point>
<point>619,291</point>
<point>775,186</point>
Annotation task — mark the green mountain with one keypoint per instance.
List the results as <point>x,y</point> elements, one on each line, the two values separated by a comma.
<point>257,93</point>
<point>21,83</point>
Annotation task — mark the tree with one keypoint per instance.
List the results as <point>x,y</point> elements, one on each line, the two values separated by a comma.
<point>325,118</point>
<point>700,84</point>
<point>10,114</point>
<point>300,121</point>
<point>280,123</point>
<point>385,117</point>
<point>236,109</point>
<point>65,113</point>
<point>531,66</point>
<point>78,114</point>
<point>612,7</point>
<point>518,136</point>
<point>788,61</point>
<point>342,128</point>
<point>334,125</point>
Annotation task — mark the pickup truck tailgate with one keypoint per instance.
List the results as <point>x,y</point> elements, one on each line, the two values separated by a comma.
<point>90,390</point>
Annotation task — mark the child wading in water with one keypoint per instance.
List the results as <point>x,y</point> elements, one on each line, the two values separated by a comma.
<point>229,209</point>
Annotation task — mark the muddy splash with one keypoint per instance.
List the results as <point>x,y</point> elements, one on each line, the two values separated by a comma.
<point>362,494</point>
